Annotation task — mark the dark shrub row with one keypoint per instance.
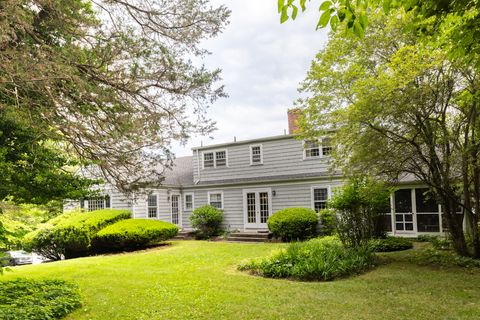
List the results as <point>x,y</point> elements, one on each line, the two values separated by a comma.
<point>390,244</point>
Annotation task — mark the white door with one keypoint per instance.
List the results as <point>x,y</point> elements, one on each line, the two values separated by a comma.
<point>404,222</point>
<point>257,207</point>
<point>175,209</point>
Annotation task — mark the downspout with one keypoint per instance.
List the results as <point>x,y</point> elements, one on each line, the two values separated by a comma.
<point>198,169</point>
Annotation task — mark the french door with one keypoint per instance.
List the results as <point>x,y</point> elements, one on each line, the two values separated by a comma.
<point>175,209</point>
<point>257,207</point>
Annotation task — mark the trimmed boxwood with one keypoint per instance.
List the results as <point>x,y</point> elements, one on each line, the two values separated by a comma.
<point>132,234</point>
<point>293,224</point>
<point>69,235</point>
<point>390,244</point>
<point>22,299</point>
<point>207,221</point>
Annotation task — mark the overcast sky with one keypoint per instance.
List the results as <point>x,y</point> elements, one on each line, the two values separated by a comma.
<point>262,63</point>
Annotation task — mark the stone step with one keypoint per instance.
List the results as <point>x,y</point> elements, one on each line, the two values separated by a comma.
<point>246,239</point>
<point>250,235</point>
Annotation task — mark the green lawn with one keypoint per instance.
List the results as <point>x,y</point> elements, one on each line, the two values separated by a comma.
<point>199,280</point>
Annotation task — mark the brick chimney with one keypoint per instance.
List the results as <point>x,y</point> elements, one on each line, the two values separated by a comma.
<point>293,115</point>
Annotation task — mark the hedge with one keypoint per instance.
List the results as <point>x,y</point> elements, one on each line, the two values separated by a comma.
<point>293,224</point>
<point>22,299</point>
<point>70,234</point>
<point>207,221</point>
<point>390,244</point>
<point>132,234</point>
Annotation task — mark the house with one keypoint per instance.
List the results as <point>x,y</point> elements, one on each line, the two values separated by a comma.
<point>252,179</point>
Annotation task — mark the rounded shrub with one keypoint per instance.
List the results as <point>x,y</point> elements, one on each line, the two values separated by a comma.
<point>207,221</point>
<point>132,234</point>
<point>390,244</point>
<point>69,235</point>
<point>293,224</point>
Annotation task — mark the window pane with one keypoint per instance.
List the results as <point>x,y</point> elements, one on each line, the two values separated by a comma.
<point>403,200</point>
<point>188,201</point>
<point>312,149</point>
<point>221,158</point>
<point>256,154</point>
<point>425,201</point>
<point>152,200</point>
<point>216,200</point>
<point>386,222</point>
<point>320,194</point>
<point>428,223</point>
<point>326,147</point>
<point>208,160</point>
<point>319,205</point>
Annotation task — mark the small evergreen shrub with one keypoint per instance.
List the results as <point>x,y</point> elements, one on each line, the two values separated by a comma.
<point>321,259</point>
<point>22,299</point>
<point>69,235</point>
<point>293,224</point>
<point>207,221</point>
<point>390,244</point>
<point>132,234</point>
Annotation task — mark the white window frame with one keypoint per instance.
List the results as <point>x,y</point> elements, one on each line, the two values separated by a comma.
<point>102,198</point>
<point>216,192</point>
<point>185,201</point>
<point>251,154</point>
<point>215,158</point>
<point>312,195</point>
<point>320,150</point>
<point>156,207</point>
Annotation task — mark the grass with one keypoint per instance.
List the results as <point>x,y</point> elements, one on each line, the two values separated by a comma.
<point>199,280</point>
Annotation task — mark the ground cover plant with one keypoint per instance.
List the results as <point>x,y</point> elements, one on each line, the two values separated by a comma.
<point>320,259</point>
<point>69,235</point>
<point>199,280</point>
<point>22,299</point>
<point>390,244</point>
<point>132,234</point>
<point>293,224</point>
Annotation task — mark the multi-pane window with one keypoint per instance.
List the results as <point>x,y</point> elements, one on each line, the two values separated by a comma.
<point>215,159</point>
<point>312,149</point>
<point>215,199</point>
<point>315,149</point>
<point>96,203</point>
<point>326,147</point>
<point>175,208</point>
<point>320,197</point>
<point>256,155</point>
<point>152,205</point>
<point>188,201</point>
<point>220,159</point>
<point>208,160</point>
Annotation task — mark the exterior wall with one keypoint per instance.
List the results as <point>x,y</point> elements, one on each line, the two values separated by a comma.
<point>163,204</point>
<point>287,194</point>
<point>117,200</point>
<point>283,156</point>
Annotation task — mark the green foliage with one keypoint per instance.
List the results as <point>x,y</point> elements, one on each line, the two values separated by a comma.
<point>34,169</point>
<point>327,220</point>
<point>207,221</point>
<point>23,299</point>
<point>390,244</point>
<point>291,224</point>
<point>444,258</point>
<point>69,235</point>
<point>321,259</point>
<point>132,234</point>
<point>360,205</point>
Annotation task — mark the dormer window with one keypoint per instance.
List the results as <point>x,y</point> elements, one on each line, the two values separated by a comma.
<point>256,155</point>
<point>317,148</point>
<point>215,159</point>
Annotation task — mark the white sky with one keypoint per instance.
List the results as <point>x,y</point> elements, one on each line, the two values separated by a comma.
<point>262,63</point>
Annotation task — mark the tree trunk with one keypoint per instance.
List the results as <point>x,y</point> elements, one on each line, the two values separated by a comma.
<point>455,229</point>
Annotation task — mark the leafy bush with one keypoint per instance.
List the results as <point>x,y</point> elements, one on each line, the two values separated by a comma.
<point>390,244</point>
<point>132,234</point>
<point>69,235</point>
<point>22,299</point>
<point>444,258</point>
<point>207,221</point>
<point>317,259</point>
<point>293,224</point>
<point>361,205</point>
<point>327,220</point>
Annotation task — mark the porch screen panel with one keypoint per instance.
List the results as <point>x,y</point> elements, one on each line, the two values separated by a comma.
<point>428,219</point>
<point>264,210</point>
<point>251,208</point>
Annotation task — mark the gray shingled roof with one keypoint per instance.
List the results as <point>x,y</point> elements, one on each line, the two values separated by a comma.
<point>181,174</point>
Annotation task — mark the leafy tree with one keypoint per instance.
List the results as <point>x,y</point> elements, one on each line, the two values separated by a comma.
<point>361,206</point>
<point>400,107</point>
<point>113,81</point>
